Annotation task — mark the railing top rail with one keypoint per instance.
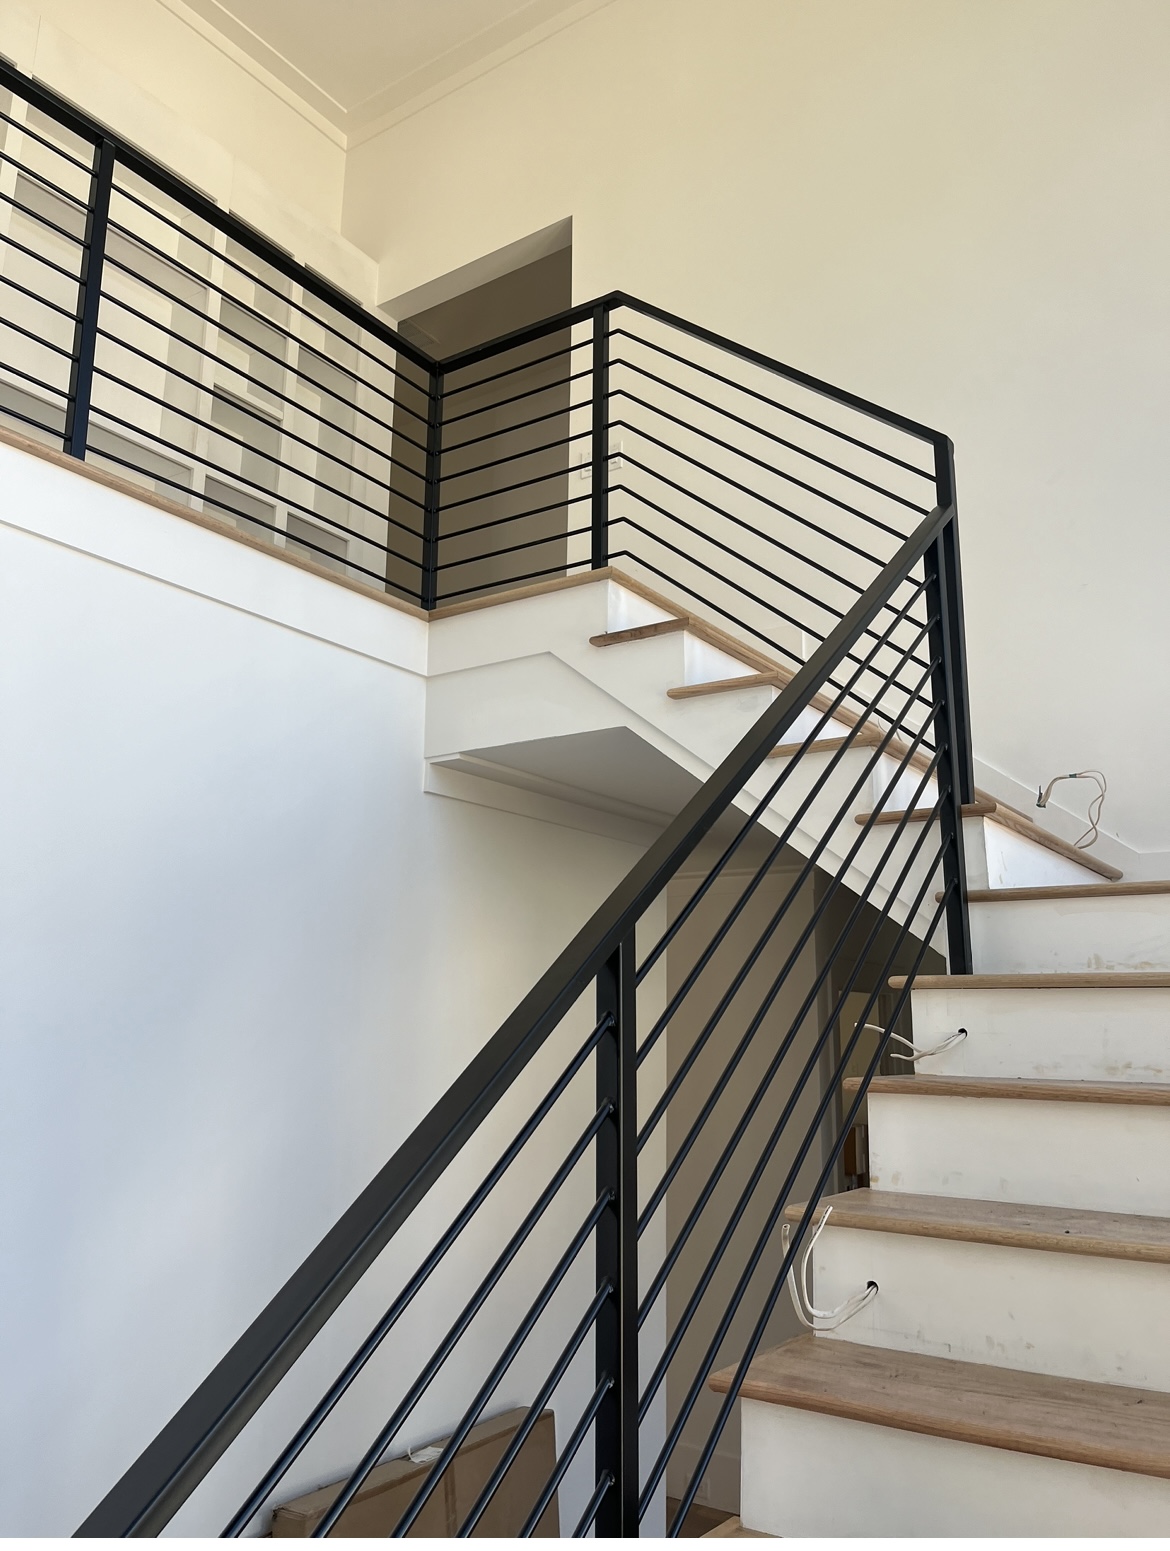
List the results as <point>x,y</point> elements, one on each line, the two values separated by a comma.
<point>583,311</point>
<point>160,1480</point>
<point>186,194</point>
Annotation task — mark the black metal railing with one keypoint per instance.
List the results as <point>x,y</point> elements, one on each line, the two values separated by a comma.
<point>587,1222</point>
<point>760,1082</point>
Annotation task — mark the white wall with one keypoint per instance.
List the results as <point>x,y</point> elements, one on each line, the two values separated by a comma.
<point>954,208</point>
<point>156,73</point>
<point>242,953</point>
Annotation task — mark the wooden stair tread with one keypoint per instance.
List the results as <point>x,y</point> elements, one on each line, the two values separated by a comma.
<point>988,808</point>
<point>771,679</point>
<point>866,738</point>
<point>1030,1413</point>
<point>970,810</point>
<point>929,1085</point>
<point>1059,1229</point>
<point>1066,891</point>
<point>1079,980</point>
<point>642,632</point>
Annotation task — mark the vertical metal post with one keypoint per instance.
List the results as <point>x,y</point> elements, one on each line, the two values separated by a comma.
<point>940,604</point>
<point>600,452</point>
<point>89,295</point>
<point>429,590</point>
<point>617,1245</point>
<point>944,468</point>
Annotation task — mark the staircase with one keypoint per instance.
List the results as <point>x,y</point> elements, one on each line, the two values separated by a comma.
<point>671,581</point>
<point>1011,1376</point>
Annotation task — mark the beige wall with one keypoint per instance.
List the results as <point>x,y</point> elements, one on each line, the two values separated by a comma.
<point>955,207</point>
<point>158,75</point>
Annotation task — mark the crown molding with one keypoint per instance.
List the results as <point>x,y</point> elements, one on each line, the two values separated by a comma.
<point>349,127</point>
<point>268,68</point>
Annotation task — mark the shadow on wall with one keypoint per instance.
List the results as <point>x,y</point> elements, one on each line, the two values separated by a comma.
<point>505,465</point>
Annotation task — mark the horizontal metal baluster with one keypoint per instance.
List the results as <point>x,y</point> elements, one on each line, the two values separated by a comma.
<point>514,457</point>
<point>533,1414</point>
<point>519,484</point>
<point>759,430</point>
<point>451,365</point>
<point>755,565</point>
<point>593,1506</point>
<point>714,608</point>
<point>754,495</point>
<point>761,1324</point>
<point>252,348</point>
<point>684,1233</point>
<point>41,258</point>
<point>762,1240</point>
<point>768,468</point>
<point>750,1110</point>
<point>43,220</point>
<point>226,392</point>
<point>568,1455</point>
<point>499,522</point>
<point>34,296</point>
<point>515,398</point>
<point>715,1018</point>
<point>693,900</point>
<point>793,824</point>
<point>513,581</point>
<point>762,398</point>
<point>26,129</point>
<point>367,323</point>
<point>745,592</point>
<point>494,554</point>
<point>392,1315</point>
<point>507,1357</point>
<point>107,416</point>
<point>470,1309</point>
<point>214,429</point>
<point>523,425</point>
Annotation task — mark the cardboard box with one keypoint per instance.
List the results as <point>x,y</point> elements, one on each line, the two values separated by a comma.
<point>390,1487</point>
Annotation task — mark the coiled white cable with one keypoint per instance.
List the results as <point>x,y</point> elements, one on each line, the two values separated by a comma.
<point>808,1315</point>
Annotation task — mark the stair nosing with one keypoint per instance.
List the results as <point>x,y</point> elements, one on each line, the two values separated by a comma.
<point>892,1211</point>
<point>866,738</point>
<point>770,680</point>
<point>1058,891</point>
<point>1071,1419</point>
<point>659,627</point>
<point>1073,980</point>
<point>1035,1089</point>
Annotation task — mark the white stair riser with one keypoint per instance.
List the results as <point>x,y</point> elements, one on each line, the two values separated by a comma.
<point>999,858</point>
<point>1086,1035</point>
<point>1073,1316</point>
<point>1099,1157</point>
<point>1013,937</point>
<point>805,1474</point>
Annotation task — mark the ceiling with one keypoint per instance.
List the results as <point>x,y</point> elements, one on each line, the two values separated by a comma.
<point>358,61</point>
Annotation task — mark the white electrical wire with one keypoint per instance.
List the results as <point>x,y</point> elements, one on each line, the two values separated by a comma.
<point>808,1315</point>
<point>917,1054</point>
<point>1089,837</point>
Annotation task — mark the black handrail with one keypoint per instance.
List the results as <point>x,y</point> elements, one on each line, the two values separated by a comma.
<point>161,1479</point>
